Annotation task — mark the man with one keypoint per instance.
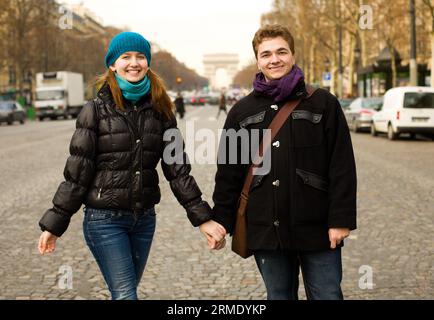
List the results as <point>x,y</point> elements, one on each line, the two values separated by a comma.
<point>299,213</point>
<point>222,104</point>
<point>179,105</point>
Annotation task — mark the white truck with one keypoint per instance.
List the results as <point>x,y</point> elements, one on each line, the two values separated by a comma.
<point>59,94</point>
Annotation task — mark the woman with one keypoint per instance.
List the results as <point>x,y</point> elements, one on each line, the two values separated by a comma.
<point>114,152</point>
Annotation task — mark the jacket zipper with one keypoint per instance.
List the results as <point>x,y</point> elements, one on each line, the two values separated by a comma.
<point>101,186</point>
<point>134,135</point>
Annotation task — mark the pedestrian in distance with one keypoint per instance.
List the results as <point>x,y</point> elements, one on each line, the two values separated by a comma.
<point>111,169</point>
<point>300,211</point>
<point>222,104</point>
<point>179,105</point>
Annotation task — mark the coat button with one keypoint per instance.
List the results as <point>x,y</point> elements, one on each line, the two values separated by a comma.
<point>137,173</point>
<point>306,180</point>
<point>276,183</point>
<point>276,223</point>
<point>274,106</point>
<point>138,141</point>
<point>276,144</point>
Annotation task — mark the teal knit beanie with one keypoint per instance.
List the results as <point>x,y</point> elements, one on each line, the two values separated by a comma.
<point>124,42</point>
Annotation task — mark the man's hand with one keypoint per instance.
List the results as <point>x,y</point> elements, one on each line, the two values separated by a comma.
<point>215,234</point>
<point>336,235</point>
<point>47,242</point>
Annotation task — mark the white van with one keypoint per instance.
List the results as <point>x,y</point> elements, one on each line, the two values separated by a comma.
<point>405,110</point>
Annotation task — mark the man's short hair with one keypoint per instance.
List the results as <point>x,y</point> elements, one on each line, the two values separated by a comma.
<point>270,32</point>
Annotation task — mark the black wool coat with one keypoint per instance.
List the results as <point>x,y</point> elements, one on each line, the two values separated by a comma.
<point>311,186</point>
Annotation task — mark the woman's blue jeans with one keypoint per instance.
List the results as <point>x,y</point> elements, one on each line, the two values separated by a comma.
<point>120,243</point>
<point>322,274</point>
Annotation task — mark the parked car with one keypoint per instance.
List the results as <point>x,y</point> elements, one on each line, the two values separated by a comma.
<point>212,98</point>
<point>11,111</point>
<point>406,110</point>
<point>345,102</point>
<point>360,111</point>
<point>197,100</point>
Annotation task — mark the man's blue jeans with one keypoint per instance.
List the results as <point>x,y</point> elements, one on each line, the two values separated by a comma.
<point>120,243</point>
<point>322,274</point>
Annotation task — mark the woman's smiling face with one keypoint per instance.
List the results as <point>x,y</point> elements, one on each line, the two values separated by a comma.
<point>131,65</point>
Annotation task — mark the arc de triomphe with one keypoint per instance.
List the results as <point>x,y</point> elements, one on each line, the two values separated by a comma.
<point>214,62</point>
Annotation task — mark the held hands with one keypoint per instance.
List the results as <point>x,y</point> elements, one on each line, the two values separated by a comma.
<point>47,242</point>
<point>336,235</point>
<point>215,234</point>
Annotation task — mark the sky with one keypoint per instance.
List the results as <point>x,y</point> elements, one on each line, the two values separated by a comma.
<point>187,28</point>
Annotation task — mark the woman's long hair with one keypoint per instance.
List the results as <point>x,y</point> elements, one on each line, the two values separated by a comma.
<point>160,100</point>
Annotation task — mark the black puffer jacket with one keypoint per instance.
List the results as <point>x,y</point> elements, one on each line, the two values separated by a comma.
<point>112,164</point>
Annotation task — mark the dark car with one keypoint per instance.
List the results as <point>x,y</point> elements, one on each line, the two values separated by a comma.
<point>11,111</point>
<point>197,100</point>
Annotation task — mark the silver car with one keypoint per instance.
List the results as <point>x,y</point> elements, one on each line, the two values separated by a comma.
<point>11,111</point>
<point>359,113</point>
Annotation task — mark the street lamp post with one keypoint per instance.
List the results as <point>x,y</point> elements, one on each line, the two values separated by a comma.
<point>326,75</point>
<point>413,63</point>
<point>341,71</point>
<point>356,67</point>
<point>326,64</point>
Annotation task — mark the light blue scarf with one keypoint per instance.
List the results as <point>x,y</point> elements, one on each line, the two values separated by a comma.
<point>133,91</point>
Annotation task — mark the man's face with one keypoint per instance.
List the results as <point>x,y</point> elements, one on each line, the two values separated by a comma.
<point>275,59</point>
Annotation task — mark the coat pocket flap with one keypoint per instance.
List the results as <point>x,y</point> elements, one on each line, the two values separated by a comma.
<point>312,179</point>
<point>306,115</point>
<point>256,118</point>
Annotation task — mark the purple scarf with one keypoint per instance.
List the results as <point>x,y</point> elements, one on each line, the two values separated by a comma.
<point>279,89</point>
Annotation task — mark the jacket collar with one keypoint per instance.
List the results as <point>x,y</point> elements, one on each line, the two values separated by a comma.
<point>105,94</point>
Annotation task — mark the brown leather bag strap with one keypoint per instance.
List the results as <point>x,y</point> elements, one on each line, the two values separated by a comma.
<point>275,126</point>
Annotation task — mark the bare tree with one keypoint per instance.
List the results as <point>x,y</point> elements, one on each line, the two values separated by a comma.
<point>19,17</point>
<point>430,6</point>
<point>244,77</point>
<point>169,68</point>
<point>316,24</point>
